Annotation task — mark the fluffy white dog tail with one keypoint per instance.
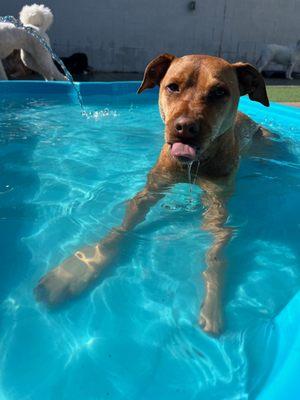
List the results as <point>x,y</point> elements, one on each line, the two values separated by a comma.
<point>37,15</point>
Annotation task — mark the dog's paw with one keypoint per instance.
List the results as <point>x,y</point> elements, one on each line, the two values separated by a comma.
<point>211,319</point>
<point>53,288</point>
<point>70,278</point>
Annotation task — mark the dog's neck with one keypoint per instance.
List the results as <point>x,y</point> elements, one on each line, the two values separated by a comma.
<point>221,157</point>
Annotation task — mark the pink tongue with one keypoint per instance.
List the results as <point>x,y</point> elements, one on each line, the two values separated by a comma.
<point>183,150</point>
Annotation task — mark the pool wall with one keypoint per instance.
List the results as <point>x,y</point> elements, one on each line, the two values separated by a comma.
<point>283,382</point>
<point>42,89</point>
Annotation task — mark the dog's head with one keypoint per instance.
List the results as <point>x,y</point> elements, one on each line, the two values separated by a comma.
<point>77,63</point>
<point>198,98</point>
<point>36,15</point>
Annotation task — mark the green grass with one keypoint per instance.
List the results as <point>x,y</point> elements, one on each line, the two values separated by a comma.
<point>284,93</point>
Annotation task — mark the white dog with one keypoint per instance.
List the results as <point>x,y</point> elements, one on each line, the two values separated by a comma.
<point>288,56</point>
<point>33,54</point>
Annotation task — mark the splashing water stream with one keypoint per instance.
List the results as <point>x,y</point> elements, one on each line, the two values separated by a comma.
<point>12,20</point>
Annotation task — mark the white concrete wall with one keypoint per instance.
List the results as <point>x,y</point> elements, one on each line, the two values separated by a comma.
<point>123,35</point>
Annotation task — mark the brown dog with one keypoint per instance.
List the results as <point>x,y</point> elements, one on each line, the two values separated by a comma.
<point>198,102</point>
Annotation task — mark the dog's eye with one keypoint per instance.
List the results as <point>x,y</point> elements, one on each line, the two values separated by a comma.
<point>218,93</point>
<point>173,87</point>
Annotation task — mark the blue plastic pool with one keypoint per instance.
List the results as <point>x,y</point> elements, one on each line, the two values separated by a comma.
<point>64,182</point>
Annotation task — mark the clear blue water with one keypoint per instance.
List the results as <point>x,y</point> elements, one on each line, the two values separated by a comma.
<point>64,182</point>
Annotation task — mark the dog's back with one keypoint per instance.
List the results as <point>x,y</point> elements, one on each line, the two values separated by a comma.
<point>278,53</point>
<point>281,54</point>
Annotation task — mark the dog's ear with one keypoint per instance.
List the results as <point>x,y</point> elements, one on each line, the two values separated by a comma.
<point>155,71</point>
<point>251,82</point>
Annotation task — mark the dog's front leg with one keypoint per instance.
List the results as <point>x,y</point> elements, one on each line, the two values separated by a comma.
<point>214,219</point>
<point>77,272</point>
<point>3,75</point>
<point>289,71</point>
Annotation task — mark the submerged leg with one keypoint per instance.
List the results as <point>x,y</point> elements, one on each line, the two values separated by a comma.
<point>77,272</point>
<point>214,219</point>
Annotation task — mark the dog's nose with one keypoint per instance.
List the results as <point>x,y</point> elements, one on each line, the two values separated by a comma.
<point>186,127</point>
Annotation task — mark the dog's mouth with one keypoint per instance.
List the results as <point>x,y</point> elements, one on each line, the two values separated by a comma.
<point>183,152</point>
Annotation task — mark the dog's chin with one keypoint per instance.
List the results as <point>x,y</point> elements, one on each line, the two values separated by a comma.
<point>183,160</point>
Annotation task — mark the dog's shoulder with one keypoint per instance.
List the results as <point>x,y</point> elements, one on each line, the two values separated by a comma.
<point>245,128</point>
